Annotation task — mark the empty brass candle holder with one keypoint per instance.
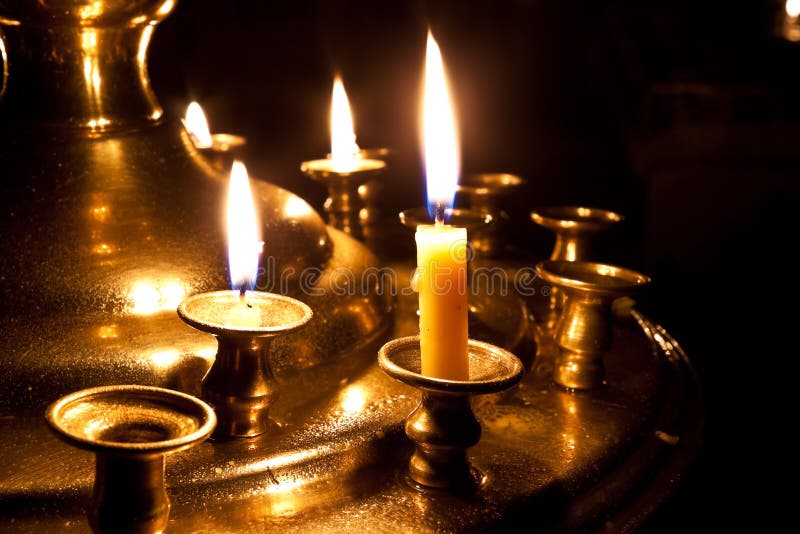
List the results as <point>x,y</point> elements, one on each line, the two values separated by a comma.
<point>583,330</point>
<point>574,227</point>
<point>130,429</point>
<point>344,204</point>
<point>224,149</point>
<point>485,193</point>
<point>240,384</point>
<point>443,425</point>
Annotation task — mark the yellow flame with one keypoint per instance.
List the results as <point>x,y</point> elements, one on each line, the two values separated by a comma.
<point>244,240</point>
<point>439,131</point>
<point>197,126</point>
<point>793,8</point>
<point>343,137</point>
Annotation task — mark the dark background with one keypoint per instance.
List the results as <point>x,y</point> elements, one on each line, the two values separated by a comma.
<point>682,115</point>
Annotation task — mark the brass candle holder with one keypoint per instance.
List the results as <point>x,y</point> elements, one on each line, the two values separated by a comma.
<point>583,330</point>
<point>130,429</point>
<point>370,191</point>
<point>443,425</point>
<point>574,227</point>
<point>240,384</point>
<point>474,221</point>
<point>224,149</point>
<point>344,204</point>
<point>485,193</point>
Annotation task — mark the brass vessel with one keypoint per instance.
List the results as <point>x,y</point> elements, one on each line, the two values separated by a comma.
<point>485,193</point>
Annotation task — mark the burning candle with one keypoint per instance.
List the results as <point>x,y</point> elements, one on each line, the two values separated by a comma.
<point>441,249</point>
<point>244,246</point>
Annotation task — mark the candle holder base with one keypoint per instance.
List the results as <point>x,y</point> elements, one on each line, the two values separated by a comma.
<point>240,384</point>
<point>443,425</point>
<point>130,428</point>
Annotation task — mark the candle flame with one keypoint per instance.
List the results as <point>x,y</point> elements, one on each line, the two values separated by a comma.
<point>439,135</point>
<point>793,8</point>
<point>343,138</point>
<point>244,240</point>
<point>197,126</point>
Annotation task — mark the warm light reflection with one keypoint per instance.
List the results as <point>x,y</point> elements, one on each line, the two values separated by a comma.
<point>146,296</point>
<point>101,213</point>
<point>165,8</point>
<point>296,207</point>
<point>109,331</point>
<point>354,399</point>
<point>793,8</point>
<point>344,150</point>
<point>103,249</point>
<point>244,239</point>
<point>197,126</point>
<point>439,132</point>
<point>165,358</point>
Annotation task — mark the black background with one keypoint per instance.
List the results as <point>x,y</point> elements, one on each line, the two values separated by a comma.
<point>682,115</point>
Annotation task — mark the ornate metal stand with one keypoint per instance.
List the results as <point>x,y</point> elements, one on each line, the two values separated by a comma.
<point>485,193</point>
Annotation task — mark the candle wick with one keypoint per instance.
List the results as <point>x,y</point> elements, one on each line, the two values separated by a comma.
<point>439,214</point>
<point>242,291</point>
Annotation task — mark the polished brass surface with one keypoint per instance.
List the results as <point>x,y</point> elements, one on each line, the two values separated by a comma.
<point>130,428</point>
<point>583,330</point>
<point>370,191</point>
<point>113,222</point>
<point>485,193</point>
<point>240,384</point>
<point>224,149</point>
<point>574,226</point>
<point>443,426</point>
<point>344,204</point>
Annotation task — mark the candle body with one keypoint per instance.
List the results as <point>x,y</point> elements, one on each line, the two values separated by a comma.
<point>442,285</point>
<point>244,316</point>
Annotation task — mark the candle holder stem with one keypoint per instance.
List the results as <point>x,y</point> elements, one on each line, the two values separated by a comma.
<point>343,207</point>
<point>240,385</point>
<point>442,427</point>
<point>129,494</point>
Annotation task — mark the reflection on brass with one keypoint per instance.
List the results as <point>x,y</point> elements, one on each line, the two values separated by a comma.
<point>443,426</point>
<point>485,193</point>
<point>130,428</point>
<point>344,204</point>
<point>240,384</point>
<point>370,192</point>
<point>583,330</point>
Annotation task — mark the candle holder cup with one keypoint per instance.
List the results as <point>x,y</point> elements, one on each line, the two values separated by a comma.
<point>240,384</point>
<point>574,227</point>
<point>443,425</point>
<point>475,222</point>
<point>583,330</point>
<point>484,193</point>
<point>130,429</point>
<point>224,149</point>
<point>344,204</point>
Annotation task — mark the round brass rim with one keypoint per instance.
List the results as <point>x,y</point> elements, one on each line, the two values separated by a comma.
<point>575,218</point>
<point>492,369</point>
<point>464,218</point>
<point>202,311</point>
<point>135,406</point>
<point>322,169</point>
<point>490,183</point>
<point>598,278</point>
